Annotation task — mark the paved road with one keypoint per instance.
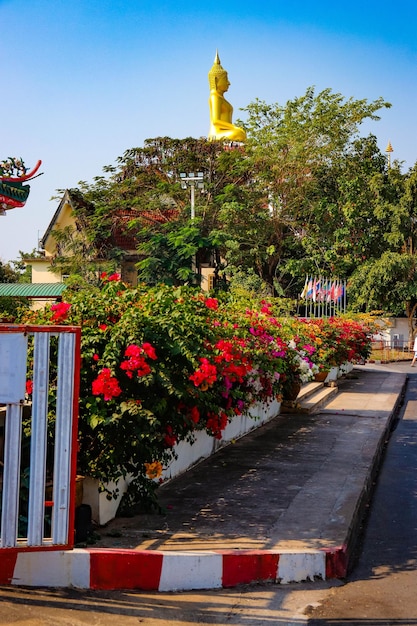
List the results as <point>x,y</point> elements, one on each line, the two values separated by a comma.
<point>251,606</point>
<point>382,587</point>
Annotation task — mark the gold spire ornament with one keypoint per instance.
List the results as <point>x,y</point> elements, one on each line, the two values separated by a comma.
<point>221,111</point>
<point>388,150</point>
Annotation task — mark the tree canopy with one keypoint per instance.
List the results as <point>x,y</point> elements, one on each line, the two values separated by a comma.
<point>10,306</point>
<point>306,194</point>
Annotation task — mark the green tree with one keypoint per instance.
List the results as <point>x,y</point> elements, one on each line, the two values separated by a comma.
<point>173,254</point>
<point>10,306</point>
<point>307,194</point>
<point>388,278</point>
<point>142,197</point>
<point>7,274</point>
<point>302,158</point>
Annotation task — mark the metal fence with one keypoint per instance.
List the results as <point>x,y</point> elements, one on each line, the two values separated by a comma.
<point>38,434</point>
<point>394,349</point>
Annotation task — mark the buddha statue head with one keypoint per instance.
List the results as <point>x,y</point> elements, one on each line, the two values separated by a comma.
<point>216,72</point>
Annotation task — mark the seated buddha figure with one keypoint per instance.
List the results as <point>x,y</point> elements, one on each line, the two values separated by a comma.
<point>221,110</point>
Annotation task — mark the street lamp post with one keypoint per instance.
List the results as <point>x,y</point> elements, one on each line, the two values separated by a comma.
<point>192,181</point>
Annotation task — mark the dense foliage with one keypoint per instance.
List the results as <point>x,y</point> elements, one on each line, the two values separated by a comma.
<point>306,195</point>
<point>10,306</point>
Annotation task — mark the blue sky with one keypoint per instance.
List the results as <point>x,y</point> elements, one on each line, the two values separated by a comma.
<point>83,81</point>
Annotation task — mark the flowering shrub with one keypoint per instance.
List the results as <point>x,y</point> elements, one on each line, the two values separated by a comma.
<point>159,364</point>
<point>331,341</point>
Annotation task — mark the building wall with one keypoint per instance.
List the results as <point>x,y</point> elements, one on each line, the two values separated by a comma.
<point>66,219</point>
<point>129,273</point>
<point>395,333</point>
<point>41,273</point>
<point>207,275</point>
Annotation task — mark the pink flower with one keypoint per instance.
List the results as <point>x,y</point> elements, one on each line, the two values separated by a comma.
<point>309,349</point>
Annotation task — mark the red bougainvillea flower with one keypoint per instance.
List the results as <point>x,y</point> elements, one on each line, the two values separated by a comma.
<point>133,350</point>
<point>206,373</point>
<point>29,387</point>
<point>135,359</point>
<point>149,351</point>
<point>170,438</point>
<point>110,277</point>
<point>60,311</point>
<point>192,414</point>
<point>96,357</point>
<point>103,327</point>
<point>107,385</point>
<point>212,303</point>
<point>266,307</point>
<point>216,424</point>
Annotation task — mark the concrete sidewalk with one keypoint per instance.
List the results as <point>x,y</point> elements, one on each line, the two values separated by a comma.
<point>297,485</point>
<point>284,503</point>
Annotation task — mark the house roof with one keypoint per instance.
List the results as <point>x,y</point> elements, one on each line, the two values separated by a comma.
<point>67,198</point>
<point>32,290</point>
<point>120,236</point>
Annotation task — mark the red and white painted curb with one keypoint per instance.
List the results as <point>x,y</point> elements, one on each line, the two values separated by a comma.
<point>166,571</point>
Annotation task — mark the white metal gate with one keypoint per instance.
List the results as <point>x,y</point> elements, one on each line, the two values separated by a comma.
<point>50,355</point>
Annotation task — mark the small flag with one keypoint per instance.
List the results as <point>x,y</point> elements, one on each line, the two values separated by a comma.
<point>304,292</point>
<point>310,288</point>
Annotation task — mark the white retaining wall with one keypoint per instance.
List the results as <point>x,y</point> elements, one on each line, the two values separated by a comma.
<point>104,510</point>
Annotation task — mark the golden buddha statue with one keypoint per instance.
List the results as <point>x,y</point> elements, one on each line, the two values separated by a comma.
<point>221,110</point>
